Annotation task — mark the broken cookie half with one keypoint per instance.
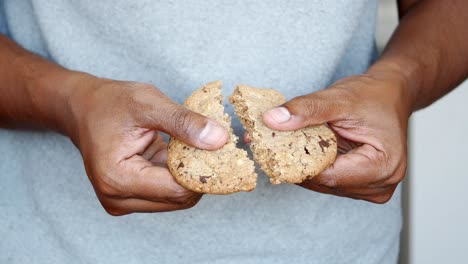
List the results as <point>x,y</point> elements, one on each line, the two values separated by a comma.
<point>222,171</point>
<point>285,156</point>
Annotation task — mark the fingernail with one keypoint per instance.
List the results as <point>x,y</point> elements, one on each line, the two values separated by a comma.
<point>212,134</point>
<point>279,114</point>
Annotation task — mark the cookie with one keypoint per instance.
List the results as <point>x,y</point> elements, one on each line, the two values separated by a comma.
<point>285,156</point>
<point>223,171</point>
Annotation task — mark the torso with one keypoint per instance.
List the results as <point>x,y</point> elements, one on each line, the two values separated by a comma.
<point>50,211</point>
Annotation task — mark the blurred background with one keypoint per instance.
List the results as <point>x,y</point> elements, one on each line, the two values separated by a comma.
<point>435,195</point>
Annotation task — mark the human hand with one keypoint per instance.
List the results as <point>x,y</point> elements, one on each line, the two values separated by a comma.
<point>369,113</point>
<point>115,126</point>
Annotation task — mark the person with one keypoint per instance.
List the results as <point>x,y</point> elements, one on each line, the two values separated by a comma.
<point>89,70</point>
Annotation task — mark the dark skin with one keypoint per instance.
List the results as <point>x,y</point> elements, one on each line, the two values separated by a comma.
<point>424,60</point>
<point>116,124</point>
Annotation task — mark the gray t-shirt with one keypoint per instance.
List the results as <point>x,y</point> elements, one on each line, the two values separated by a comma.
<point>49,212</point>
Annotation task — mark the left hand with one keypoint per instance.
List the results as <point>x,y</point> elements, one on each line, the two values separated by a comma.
<point>369,114</point>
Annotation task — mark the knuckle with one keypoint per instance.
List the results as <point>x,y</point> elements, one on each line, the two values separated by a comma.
<point>321,180</point>
<point>110,207</point>
<point>108,190</point>
<point>402,169</point>
<point>310,107</point>
<point>186,199</point>
<point>382,157</point>
<point>182,120</point>
<point>330,182</point>
<point>382,166</point>
<point>382,198</point>
<point>398,173</point>
<point>190,203</point>
<point>183,197</point>
<point>396,178</point>
<point>187,206</point>
<point>108,180</point>
<point>115,211</point>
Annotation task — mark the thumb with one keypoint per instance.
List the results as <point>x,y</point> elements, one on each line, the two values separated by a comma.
<point>189,127</point>
<point>312,109</point>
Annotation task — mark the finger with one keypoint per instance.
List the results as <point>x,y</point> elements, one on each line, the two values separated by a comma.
<point>379,198</point>
<point>160,113</point>
<point>363,167</point>
<point>324,189</point>
<point>156,152</point>
<point>160,158</point>
<point>318,188</point>
<point>313,109</point>
<point>143,206</point>
<point>118,207</point>
<point>369,191</point>
<point>345,145</point>
<point>148,182</point>
<point>154,147</point>
<point>377,195</point>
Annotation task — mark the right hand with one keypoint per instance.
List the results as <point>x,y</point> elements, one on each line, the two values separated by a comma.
<point>116,127</point>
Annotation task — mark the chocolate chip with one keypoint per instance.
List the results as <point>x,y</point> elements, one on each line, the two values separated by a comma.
<point>203,178</point>
<point>273,134</point>
<point>181,165</point>
<point>323,144</point>
<point>306,151</point>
